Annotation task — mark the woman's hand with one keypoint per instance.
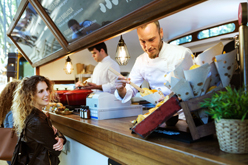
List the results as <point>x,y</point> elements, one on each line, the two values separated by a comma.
<point>54,130</point>
<point>59,145</point>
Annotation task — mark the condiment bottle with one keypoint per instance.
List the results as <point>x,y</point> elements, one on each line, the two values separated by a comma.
<point>82,109</point>
<point>87,112</point>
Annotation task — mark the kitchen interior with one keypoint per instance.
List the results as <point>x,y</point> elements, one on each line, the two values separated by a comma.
<point>108,138</point>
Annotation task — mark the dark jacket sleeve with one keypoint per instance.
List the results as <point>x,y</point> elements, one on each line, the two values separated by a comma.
<point>41,132</point>
<point>60,135</point>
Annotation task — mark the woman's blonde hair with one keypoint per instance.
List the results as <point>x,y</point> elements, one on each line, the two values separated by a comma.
<point>23,102</point>
<point>6,98</point>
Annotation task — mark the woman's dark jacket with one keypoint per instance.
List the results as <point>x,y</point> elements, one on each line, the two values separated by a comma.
<point>39,131</point>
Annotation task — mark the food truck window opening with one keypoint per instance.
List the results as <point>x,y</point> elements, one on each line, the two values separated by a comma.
<point>210,32</point>
<point>216,31</point>
<point>182,40</point>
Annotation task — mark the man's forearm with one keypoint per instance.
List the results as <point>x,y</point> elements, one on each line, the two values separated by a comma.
<point>99,87</point>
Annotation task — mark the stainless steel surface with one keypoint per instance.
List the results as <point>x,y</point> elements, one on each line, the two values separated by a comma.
<point>243,47</point>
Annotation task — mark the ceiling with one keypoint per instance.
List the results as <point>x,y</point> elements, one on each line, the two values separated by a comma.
<point>205,14</point>
<point>197,17</point>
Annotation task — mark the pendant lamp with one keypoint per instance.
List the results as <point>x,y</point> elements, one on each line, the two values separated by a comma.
<point>68,66</point>
<point>122,56</point>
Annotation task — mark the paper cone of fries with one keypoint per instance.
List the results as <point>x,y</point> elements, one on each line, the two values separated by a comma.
<point>225,64</point>
<point>168,79</point>
<point>215,77</point>
<point>154,97</point>
<point>186,63</point>
<point>208,55</point>
<point>174,81</point>
<point>206,84</point>
<point>183,90</point>
<point>198,78</point>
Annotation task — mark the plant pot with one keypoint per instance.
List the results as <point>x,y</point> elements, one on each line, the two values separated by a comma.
<point>232,135</point>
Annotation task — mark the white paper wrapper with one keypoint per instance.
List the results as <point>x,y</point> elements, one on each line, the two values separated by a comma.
<point>184,65</point>
<point>225,66</point>
<point>215,77</point>
<point>174,81</point>
<point>208,55</point>
<point>206,84</point>
<point>167,84</point>
<point>153,98</point>
<point>203,116</point>
<point>183,90</point>
<point>168,79</point>
<point>197,78</point>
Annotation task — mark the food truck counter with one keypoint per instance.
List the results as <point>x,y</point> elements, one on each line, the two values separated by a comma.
<point>113,138</point>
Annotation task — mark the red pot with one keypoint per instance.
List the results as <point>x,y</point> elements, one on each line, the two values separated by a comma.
<point>62,97</point>
<point>77,97</point>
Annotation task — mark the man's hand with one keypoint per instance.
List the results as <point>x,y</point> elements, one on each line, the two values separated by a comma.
<point>120,84</point>
<point>92,86</point>
<point>78,84</point>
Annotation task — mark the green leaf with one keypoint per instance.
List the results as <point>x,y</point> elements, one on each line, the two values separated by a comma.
<point>231,104</point>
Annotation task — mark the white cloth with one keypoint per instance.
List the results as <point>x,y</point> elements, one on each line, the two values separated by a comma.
<point>153,70</point>
<point>102,76</point>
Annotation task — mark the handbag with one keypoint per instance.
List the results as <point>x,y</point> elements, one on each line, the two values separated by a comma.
<point>20,155</point>
<point>8,140</point>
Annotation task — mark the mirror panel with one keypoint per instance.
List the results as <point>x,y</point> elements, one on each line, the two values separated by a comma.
<point>33,36</point>
<point>78,18</point>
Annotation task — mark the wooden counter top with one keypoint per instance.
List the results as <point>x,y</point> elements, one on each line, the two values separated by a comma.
<point>114,139</point>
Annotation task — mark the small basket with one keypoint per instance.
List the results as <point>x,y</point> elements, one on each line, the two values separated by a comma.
<point>232,135</point>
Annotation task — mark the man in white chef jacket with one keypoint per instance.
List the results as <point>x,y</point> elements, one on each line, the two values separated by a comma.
<point>102,79</point>
<point>158,59</point>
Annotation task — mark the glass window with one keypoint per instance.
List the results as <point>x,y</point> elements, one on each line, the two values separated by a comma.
<point>33,36</point>
<point>182,40</point>
<point>223,29</point>
<point>78,18</point>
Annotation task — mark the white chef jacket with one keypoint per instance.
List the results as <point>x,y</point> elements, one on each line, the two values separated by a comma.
<point>102,76</point>
<point>153,70</point>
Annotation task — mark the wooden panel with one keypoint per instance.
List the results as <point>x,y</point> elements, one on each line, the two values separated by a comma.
<point>206,129</point>
<point>113,139</point>
<point>106,148</point>
<point>37,70</point>
<point>192,127</point>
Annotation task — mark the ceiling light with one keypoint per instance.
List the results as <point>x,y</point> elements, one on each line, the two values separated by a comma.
<point>68,66</point>
<point>122,55</point>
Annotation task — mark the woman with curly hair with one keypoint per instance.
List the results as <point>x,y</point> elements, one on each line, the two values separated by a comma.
<point>6,97</point>
<point>31,95</point>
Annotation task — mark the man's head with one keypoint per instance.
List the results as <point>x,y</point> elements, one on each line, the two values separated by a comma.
<point>73,25</point>
<point>150,37</point>
<point>99,51</point>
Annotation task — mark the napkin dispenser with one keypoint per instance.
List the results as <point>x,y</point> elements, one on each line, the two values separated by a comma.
<point>104,105</point>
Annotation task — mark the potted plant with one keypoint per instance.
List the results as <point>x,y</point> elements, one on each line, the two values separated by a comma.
<point>229,109</point>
